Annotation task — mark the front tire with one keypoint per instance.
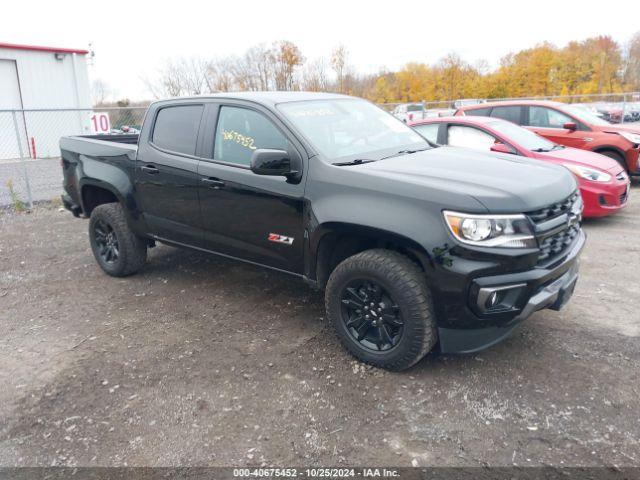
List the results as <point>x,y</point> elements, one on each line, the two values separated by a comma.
<point>118,251</point>
<point>380,307</point>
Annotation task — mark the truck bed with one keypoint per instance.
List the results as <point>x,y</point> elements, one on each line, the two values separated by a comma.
<point>101,145</point>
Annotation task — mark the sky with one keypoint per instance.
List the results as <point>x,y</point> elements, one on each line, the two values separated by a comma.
<point>132,39</point>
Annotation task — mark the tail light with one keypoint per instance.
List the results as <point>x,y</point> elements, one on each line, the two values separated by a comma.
<point>410,116</point>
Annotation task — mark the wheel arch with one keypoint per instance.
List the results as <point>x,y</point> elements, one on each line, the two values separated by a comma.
<point>333,242</point>
<point>94,192</point>
<point>611,148</point>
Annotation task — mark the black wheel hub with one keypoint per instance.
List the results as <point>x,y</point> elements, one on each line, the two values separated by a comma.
<point>106,241</point>
<point>371,316</point>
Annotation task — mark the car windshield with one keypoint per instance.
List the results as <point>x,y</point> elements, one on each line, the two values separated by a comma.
<point>585,115</point>
<point>526,138</point>
<point>351,128</point>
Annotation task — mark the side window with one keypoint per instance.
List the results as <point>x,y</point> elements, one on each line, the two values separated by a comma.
<point>428,131</point>
<point>547,117</point>
<point>478,112</point>
<point>176,128</point>
<point>240,131</point>
<point>469,137</point>
<point>511,114</point>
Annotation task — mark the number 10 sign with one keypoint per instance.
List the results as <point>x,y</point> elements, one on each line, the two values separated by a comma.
<point>100,122</point>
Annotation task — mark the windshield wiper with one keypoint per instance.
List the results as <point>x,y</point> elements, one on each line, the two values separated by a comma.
<point>405,152</point>
<point>357,161</point>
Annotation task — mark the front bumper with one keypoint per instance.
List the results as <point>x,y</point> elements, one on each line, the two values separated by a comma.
<point>604,199</point>
<point>542,288</point>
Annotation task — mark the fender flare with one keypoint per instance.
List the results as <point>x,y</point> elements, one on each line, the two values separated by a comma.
<point>379,236</point>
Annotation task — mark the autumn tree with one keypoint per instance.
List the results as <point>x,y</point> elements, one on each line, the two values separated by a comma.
<point>287,58</point>
<point>632,64</point>
<point>339,66</point>
<point>314,76</point>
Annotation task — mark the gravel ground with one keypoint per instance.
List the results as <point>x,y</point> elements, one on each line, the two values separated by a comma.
<point>201,361</point>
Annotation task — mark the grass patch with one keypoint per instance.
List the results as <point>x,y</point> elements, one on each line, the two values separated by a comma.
<point>17,204</point>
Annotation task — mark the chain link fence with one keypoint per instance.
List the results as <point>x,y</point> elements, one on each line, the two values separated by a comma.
<point>29,153</point>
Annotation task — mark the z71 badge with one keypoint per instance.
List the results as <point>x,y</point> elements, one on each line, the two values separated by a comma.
<point>274,237</point>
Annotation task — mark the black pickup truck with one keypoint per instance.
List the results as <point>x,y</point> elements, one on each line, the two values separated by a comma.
<point>416,246</point>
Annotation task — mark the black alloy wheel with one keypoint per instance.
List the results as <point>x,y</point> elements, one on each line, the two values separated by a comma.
<point>371,316</point>
<point>106,241</point>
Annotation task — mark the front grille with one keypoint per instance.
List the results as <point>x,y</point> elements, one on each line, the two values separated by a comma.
<point>556,227</point>
<point>554,210</point>
<point>623,197</point>
<point>554,245</point>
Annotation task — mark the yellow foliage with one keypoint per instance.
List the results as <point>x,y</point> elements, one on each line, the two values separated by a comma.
<point>594,65</point>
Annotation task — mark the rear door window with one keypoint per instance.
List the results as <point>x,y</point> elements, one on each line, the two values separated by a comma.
<point>240,131</point>
<point>511,113</point>
<point>176,128</point>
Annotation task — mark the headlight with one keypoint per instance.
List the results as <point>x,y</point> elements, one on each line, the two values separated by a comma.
<point>632,137</point>
<point>577,207</point>
<point>588,173</point>
<point>509,231</point>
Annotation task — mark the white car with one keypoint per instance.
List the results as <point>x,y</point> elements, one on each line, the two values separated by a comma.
<point>409,112</point>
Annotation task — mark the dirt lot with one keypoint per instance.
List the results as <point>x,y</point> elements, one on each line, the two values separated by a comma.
<point>201,361</point>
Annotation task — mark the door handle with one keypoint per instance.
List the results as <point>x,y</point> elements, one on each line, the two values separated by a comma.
<point>213,182</point>
<point>150,169</point>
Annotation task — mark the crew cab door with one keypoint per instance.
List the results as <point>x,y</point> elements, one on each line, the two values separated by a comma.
<point>166,173</point>
<point>549,123</point>
<point>244,215</point>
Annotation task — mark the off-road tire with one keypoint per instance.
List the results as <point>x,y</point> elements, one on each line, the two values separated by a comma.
<point>406,284</point>
<point>132,250</point>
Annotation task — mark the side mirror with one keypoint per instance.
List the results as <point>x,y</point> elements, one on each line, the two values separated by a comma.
<point>501,148</point>
<point>278,163</point>
<point>570,126</point>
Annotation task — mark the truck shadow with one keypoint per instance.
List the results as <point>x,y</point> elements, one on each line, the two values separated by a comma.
<point>292,306</point>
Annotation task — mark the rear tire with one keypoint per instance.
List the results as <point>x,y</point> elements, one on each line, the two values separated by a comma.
<point>380,307</point>
<point>118,251</point>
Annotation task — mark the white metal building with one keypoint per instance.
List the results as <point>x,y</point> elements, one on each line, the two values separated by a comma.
<point>41,78</point>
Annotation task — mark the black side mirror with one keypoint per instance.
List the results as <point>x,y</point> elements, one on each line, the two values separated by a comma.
<point>571,126</point>
<point>279,163</point>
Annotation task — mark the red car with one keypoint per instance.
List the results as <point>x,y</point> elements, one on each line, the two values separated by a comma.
<point>604,185</point>
<point>568,125</point>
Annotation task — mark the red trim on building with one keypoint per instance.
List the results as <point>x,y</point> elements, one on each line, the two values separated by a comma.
<point>36,48</point>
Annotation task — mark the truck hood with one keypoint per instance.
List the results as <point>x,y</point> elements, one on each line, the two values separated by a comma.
<point>584,158</point>
<point>500,182</point>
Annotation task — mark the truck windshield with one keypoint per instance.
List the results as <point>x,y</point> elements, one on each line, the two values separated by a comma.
<point>351,128</point>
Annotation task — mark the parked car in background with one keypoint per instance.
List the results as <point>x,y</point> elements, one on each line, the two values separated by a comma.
<point>570,126</point>
<point>466,102</point>
<point>408,112</point>
<point>611,113</point>
<point>603,183</point>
